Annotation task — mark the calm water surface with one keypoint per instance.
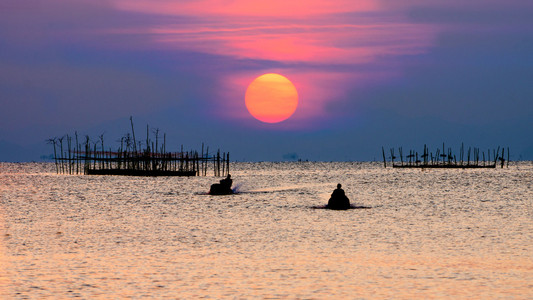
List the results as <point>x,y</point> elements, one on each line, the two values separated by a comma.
<point>428,234</point>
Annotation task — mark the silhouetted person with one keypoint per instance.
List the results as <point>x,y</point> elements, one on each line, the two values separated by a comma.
<point>338,199</point>
<point>222,188</point>
<point>226,182</point>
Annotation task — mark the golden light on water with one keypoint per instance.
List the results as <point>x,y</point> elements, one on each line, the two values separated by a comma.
<point>5,276</point>
<point>118,237</point>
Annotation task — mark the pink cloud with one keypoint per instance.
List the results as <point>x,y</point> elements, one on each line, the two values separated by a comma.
<point>280,30</point>
<point>272,8</point>
<point>317,33</point>
<point>339,43</point>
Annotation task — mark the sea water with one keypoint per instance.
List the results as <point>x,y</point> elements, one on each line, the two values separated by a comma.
<point>448,233</point>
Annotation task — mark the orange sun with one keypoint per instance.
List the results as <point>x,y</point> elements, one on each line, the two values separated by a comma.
<point>271,98</point>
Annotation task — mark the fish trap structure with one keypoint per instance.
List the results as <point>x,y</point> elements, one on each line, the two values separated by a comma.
<point>133,158</point>
<point>474,158</point>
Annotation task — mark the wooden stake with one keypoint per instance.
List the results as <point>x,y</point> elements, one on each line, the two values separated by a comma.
<point>384,159</point>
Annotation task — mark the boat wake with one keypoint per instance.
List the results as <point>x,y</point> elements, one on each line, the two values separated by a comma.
<point>351,207</point>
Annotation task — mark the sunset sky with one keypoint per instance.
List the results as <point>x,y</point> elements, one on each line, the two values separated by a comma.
<point>368,74</point>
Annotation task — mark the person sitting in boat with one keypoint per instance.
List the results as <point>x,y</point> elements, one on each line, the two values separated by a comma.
<point>338,199</point>
<point>226,182</point>
<point>222,188</point>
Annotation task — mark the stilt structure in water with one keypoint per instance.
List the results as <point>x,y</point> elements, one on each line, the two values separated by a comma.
<point>474,158</point>
<point>91,157</point>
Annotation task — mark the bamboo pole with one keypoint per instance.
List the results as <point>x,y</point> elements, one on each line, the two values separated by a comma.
<point>201,157</point>
<point>95,156</point>
<point>462,153</point>
<point>53,141</point>
<point>218,162</point>
<point>197,164</point>
<point>502,159</point>
<point>206,160</point>
<point>384,159</point>
<point>223,164</point>
<point>61,160</point>
<point>227,162</point>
